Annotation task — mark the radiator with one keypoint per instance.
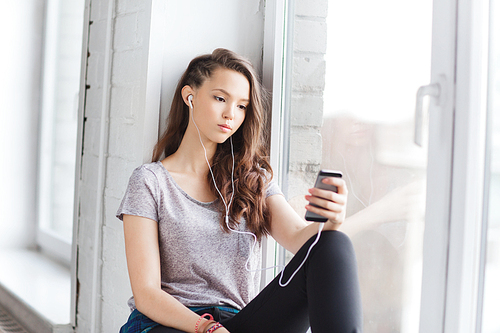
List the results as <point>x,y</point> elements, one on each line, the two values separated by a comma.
<point>8,324</point>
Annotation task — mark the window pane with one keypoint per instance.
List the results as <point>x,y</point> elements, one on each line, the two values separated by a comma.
<point>63,40</point>
<point>491,307</point>
<point>357,66</point>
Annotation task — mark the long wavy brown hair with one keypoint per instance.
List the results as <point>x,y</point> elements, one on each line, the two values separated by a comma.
<point>252,171</point>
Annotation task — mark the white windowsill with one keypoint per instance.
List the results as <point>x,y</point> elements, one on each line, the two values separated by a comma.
<point>35,290</point>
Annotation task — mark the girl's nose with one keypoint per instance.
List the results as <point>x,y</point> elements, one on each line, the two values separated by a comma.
<point>229,112</point>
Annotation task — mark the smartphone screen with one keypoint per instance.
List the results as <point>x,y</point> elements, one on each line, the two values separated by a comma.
<point>313,217</point>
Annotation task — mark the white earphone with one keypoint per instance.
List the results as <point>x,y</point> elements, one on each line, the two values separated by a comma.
<point>190,100</point>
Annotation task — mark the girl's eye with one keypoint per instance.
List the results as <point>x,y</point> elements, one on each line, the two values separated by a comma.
<point>242,107</point>
<point>220,99</point>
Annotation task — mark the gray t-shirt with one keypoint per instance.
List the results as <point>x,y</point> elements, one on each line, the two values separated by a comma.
<point>200,263</point>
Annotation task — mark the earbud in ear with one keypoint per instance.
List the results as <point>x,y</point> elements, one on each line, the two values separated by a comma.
<point>190,100</point>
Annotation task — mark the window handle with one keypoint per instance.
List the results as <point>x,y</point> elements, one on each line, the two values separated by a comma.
<point>434,91</point>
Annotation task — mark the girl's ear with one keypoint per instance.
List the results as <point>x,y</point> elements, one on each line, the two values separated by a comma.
<point>185,92</point>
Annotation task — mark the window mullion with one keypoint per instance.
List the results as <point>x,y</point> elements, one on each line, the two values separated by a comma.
<point>468,167</point>
<point>273,67</point>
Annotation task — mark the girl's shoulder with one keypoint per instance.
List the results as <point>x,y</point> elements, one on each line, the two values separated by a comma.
<point>149,169</point>
<point>149,173</point>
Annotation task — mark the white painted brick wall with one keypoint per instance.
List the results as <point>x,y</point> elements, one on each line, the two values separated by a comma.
<point>92,136</point>
<point>310,35</point>
<point>307,147</point>
<point>93,100</point>
<point>130,31</point>
<point>311,8</point>
<point>123,101</point>
<point>128,128</point>
<point>130,6</point>
<point>308,84</point>
<point>98,11</point>
<point>130,59</point>
<point>97,43</point>
<point>122,141</point>
<point>309,73</point>
<point>307,110</point>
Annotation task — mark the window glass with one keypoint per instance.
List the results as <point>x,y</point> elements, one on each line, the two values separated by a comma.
<point>354,71</point>
<point>491,307</point>
<point>61,83</point>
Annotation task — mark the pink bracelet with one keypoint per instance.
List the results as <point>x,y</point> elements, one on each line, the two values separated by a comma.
<point>199,320</point>
<point>213,328</point>
<point>205,325</point>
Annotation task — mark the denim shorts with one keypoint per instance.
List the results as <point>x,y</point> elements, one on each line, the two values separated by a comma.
<point>139,323</point>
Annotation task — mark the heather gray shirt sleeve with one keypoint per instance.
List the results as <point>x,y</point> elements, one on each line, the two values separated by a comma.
<point>273,189</point>
<point>141,195</point>
<point>200,263</point>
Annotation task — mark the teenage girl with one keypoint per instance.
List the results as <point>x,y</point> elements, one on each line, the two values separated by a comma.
<point>194,222</point>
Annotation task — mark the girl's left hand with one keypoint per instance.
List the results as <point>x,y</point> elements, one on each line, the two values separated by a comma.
<point>331,205</point>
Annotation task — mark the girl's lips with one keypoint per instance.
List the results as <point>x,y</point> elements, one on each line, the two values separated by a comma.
<point>225,128</point>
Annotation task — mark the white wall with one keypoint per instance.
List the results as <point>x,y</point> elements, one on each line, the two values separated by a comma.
<point>21,24</point>
<point>195,27</point>
<point>122,115</point>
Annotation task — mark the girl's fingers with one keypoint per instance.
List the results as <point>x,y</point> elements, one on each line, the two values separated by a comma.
<point>329,205</point>
<point>336,181</point>
<point>330,215</point>
<point>329,195</point>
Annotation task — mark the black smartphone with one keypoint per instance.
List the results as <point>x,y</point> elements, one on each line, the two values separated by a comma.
<point>319,184</point>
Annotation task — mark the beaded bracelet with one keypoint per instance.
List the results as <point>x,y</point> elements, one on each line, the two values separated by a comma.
<point>199,320</point>
<point>213,328</point>
<point>205,325</point>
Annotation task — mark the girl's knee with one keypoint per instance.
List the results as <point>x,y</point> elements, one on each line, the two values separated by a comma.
<point>336,245</point>
<point>336,238</point>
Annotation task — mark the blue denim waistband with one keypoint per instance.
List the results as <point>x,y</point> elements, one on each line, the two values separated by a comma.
<point>222,308</point>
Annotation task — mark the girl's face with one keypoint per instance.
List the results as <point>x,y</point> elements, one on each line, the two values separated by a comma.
<point>220,104</point>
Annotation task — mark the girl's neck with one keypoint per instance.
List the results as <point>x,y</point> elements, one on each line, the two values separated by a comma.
<point>190,156</point>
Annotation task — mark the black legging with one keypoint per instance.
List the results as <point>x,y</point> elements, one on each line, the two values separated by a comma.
<point>324,294</point>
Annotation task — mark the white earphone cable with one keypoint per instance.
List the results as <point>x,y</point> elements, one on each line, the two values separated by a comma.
<point>321,225</point>
<point>228,205</point>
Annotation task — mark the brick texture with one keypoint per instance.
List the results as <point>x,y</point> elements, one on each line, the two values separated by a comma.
<point>308,84</point>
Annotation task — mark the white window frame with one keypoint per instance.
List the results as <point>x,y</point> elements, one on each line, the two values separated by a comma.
<point>78,164</point>
<point>451,282</point>
<point>467,217</point>
<point>273,67</point>
<point>48,241</point>
<point>452,240</point>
